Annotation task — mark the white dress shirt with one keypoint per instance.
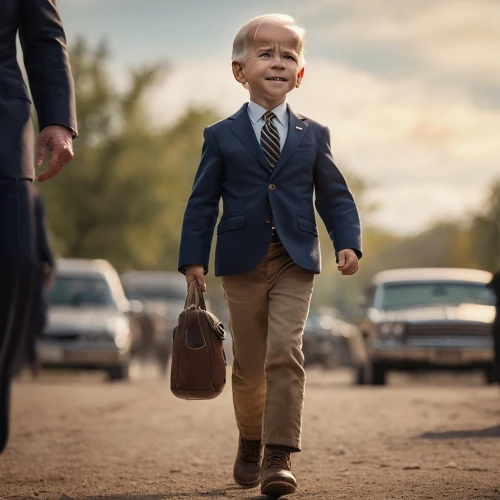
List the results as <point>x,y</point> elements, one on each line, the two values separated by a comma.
<point>256,114</point>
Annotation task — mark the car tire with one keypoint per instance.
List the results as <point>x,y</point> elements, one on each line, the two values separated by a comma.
<point>163,357</point>
<point>163,354</point>
<point>360,375</point>
<point>371,373</point>
<point>119,372</point>
<point>364,373</point>
<point>489,374</point>
<point>378,373</point>
<point>329,363</point>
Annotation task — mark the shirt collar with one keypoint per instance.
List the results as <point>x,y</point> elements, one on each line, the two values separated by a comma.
<point>256,112</point>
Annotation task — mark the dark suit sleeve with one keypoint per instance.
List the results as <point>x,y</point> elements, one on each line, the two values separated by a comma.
<point>203,206</point>
<point>334,201</point>
<point>43,248</point>
<point>47,64</point>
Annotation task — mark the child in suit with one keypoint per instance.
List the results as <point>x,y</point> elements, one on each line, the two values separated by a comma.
<point>267,162</point>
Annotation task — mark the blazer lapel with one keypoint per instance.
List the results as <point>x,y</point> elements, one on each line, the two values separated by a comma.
<point>242,127</point>
<point>296,131</point>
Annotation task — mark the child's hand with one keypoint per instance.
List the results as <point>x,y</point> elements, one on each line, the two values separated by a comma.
<point>197,273</point>
<point>348,262</point>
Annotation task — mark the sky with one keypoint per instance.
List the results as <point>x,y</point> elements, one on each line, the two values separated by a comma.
<point>409,89</point>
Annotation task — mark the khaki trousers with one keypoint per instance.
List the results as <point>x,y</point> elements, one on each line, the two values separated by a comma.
<point>268,308</point>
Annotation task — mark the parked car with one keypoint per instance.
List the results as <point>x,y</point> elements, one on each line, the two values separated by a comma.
<point>418,319</point>
<point>162,295</point>
<point>325,340</point>
<point>88,326</point>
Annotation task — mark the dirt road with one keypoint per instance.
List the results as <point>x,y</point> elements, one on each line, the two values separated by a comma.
<point>424,438</point>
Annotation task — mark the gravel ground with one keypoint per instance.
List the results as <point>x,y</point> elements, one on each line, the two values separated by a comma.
<point>77,437</point>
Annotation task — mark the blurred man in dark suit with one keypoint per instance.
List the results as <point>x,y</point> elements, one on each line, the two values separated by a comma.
<point>46,60</point>
<point>43,279</point>
<point>495,286</point>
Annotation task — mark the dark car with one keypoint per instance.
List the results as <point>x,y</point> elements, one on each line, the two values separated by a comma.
<point>419,319</point>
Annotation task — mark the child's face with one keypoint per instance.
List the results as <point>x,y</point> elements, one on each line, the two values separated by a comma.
<point>271,68</point>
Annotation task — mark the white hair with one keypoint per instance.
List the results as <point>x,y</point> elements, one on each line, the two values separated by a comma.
<point>240,44</point>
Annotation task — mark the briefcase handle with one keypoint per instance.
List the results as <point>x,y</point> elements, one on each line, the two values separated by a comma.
<point>195,296</point>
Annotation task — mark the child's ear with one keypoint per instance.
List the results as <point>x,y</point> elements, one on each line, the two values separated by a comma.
<point>239,73</point>
<point>300,75</point>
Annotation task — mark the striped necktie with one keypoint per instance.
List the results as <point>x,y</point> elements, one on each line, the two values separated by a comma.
<point>270,140</point>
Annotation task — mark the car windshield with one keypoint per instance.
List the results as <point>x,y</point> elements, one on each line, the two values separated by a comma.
<point>134,292</point>
<point>322,321</point>
<point>406,295</point>
<point>78,291</point>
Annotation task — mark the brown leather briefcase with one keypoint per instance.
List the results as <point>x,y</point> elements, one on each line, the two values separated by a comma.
<point>198,368</point>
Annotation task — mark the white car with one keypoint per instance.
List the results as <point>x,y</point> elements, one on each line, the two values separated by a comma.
<point>88,325</point>
<point>418,319</point>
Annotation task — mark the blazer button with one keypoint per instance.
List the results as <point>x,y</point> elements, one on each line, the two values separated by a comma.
<point>272,187</point>
<point>268,220</point>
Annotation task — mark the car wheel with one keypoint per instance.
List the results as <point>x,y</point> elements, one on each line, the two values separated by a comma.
<point>364,373</point>
<point>329,363</point>
<point>489,374</point>
<point>360,375</point>
<point>118,373</point>
<point>163,353</point>
<point>378,373</point>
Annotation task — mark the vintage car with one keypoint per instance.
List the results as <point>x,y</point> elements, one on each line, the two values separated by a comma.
<point>88,325</point>
<point>418,319</point>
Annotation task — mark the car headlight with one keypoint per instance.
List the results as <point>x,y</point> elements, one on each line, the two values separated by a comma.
<point>395,330</point>
<point>116,325</point>
<point>119,329</point>
<point>398,329</point>
<point>123,339</point>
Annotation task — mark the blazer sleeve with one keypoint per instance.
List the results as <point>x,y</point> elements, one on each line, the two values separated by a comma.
<point>46,60</point>
<point>334,201</point>
<point>202,207</point>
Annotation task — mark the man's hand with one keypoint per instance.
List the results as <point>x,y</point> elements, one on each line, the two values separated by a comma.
<point>348,262</point>
<point>59,141</point>
<point>197,273</point>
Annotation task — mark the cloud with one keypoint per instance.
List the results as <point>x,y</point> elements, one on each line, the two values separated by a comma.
<point>454,37</point>
<point>416,206</point>
<point>429,153</point>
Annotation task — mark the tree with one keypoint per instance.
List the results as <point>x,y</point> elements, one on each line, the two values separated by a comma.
<point>486,232</point>
<point>122,196</point>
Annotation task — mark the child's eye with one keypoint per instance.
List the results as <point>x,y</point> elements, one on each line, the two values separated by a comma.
<point>265,54</point>
<point>290,57</point>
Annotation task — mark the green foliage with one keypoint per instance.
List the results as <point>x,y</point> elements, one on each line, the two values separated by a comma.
<point>123,196</point>
<point>486,231</point>
<point>180,157</point>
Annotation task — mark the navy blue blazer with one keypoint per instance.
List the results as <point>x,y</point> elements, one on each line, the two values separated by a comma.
<point>234,167</point>
<point>47,65</point>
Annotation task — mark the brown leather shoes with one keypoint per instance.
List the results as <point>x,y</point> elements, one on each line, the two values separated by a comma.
<point>277,478</point>
<point>246,470</point>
